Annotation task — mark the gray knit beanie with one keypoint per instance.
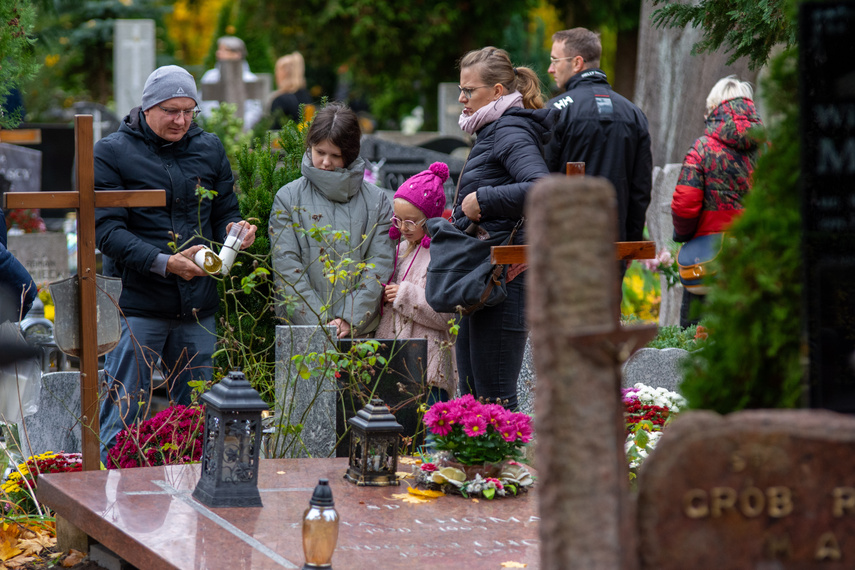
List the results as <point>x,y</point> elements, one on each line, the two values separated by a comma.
<point>168,82</point>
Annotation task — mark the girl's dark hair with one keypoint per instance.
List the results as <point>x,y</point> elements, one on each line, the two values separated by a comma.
<point>338,124</point>
<point>494,66</point>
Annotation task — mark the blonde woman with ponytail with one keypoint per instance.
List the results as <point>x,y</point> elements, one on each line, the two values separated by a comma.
<point>503,108</point>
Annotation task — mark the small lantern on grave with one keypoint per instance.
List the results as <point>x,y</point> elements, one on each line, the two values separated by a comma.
<point>231,445</point>
<point>374,442</point>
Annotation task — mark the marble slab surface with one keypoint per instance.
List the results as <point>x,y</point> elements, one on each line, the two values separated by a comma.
<point>149,518</point>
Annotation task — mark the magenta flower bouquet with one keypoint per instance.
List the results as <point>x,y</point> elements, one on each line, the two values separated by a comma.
<point>476,433</point>
<point>171,437</point>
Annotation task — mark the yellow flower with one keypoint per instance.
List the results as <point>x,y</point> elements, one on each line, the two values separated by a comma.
<point>52,59</point>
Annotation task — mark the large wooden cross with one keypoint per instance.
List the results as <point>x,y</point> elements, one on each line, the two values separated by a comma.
<point>85,200</point>
<point>624,250</point>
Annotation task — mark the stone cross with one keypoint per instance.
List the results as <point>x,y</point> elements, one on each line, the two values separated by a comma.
<point>85,200</point>
<point>231,87</point>
<point>578,344</point>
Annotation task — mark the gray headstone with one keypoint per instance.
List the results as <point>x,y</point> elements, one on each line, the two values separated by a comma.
<point>55,426</point>
<point>311,402</point>
<point>449,111</point>
<point>133,62</point>
<point>657,368</point>
<point>21,167</point>
<point>661,227</point>
<point>44,255</point>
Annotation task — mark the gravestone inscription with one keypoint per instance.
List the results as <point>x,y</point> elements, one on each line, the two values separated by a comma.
<point>758,489</point>
<point>21,167</point>
<point>827,81</point>
<point>44,255</point>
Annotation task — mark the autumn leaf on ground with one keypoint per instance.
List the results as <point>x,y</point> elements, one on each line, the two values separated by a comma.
<point>513,565</point>
<point>9,541</point>
<point>407,498</point>
<point>19,561</point>
<point>409,461</point>
<point>403,475</point>
<point>426,493</point>
<point>74,557</point>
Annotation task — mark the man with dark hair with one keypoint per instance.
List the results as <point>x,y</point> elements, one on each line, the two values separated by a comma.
<point>167,300</point>
<point>600,128</point>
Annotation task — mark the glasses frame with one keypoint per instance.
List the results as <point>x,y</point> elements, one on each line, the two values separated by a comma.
<point>401,224</point>
<point>175,113</point>
<point>557,59</point>
<point>467,91</point>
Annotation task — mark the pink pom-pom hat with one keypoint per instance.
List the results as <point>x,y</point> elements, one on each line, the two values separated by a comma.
<point>424,191</point>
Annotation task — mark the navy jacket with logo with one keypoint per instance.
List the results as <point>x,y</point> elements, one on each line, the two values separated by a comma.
<point>609,134</point>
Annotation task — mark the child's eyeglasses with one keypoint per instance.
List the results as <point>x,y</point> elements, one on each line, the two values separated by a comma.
<point>407,225</point>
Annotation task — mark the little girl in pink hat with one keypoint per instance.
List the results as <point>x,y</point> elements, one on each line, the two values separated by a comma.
<point>406,314</point>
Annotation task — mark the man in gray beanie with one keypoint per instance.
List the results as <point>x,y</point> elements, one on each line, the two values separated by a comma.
<point>168,301</point>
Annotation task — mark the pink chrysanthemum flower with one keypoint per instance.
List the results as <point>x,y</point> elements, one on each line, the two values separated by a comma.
<point>495,415</point>
<point>524,428</point>
<point>474,426</point>
<point>429,467</point>
<point>509,433</point>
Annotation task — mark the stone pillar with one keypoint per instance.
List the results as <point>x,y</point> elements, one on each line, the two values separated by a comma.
<point>310,402</point>
<point>672,86</point>
<point>587,519</point>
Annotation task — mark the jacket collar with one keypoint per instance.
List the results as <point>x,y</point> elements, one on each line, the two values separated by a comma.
<point>339,185</point>
<point>592,75</point>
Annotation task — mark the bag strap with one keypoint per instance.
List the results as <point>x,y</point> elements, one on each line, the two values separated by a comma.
<point>495,275</point>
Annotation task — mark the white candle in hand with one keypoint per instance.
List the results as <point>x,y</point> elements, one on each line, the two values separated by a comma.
<point>230,249</point>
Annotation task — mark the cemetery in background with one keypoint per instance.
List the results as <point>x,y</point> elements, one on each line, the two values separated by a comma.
<point>747,354</point>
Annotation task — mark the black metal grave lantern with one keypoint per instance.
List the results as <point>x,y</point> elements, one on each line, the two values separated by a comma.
<point>374,440</point>
<point>232,444</point>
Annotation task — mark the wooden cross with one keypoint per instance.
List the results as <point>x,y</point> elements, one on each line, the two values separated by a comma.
<point>85,200</point>
<point>624,250</point>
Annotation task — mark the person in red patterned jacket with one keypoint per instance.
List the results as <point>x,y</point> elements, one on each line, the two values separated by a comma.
<point>716,172</point>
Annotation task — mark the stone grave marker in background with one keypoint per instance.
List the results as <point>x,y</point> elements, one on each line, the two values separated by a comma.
<point>56,424</point>
<point>657,368</point>
<point>133,62</point>
<point>827,81</point>
<point>399,384</point>
<point>21,168</point>
<point>587,518</point>
<point>449,111</point>
<point>232,88</point>
<point>45,255</point>
<point>307,401</point>
<point>758,489</point>
<point>661,227</point>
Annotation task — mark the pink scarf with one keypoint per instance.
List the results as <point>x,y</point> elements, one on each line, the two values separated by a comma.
<point>489,112</point>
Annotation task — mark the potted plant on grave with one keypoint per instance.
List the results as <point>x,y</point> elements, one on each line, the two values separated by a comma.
<point>476,449</point>
<point>647,411</point>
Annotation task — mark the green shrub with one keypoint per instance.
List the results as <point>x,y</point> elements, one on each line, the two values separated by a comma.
<point>676,336</point>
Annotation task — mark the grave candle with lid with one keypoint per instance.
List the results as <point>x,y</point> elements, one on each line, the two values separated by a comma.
<point>233,243</point>
<point>320,528</point>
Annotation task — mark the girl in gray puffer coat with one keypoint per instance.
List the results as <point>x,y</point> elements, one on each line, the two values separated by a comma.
<point>329,233</point>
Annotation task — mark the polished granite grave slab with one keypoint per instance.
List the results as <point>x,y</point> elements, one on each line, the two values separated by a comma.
<point>148,517</point>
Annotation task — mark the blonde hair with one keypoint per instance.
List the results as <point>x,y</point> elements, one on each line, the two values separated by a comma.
<point>290,72</point>
<point>726,89</point>
<point>494,66</point>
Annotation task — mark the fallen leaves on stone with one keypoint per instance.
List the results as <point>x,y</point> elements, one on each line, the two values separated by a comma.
<point>409,461</point>
<point>418,496</point>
